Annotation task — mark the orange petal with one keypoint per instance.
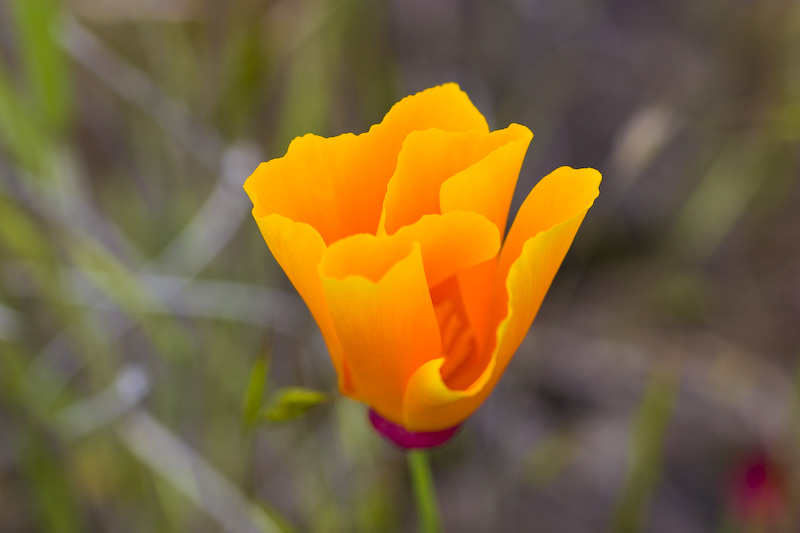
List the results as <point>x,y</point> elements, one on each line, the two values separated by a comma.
<point>433,157</point>
<point>445,107</point>
<point>487,186</point>
<point>298,249</point>
<point>559,197</point>
<point>430,405</point>
<point>337,184</point>
<point>475,296</point>
<point>452,242</point>
<point>529,278</point>
<point>387,328</point>
<point>449,244</point>
<point>533,251</point>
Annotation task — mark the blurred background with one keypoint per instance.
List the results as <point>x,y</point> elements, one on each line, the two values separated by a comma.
<point>159,373</point>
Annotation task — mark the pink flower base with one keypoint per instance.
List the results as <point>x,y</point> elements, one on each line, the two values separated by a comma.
<point>406,439</point>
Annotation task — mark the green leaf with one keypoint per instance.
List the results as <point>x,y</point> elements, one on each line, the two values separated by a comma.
<point>292,402</point>
<point>253,396</point>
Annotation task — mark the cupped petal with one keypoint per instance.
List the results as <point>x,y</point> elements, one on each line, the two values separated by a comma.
<point>445,107</point>
<point>429,404</point>
<point>559,197</point>
<point>526,285</point>
<point>337,185</point>
<point>430,158</point>
<point>387,328</point>
<point>449,244</point>
<point>298,248</point>
<point>452,242</point>
<point>534,249</point>
<point>487,188</point>
<point>532,252</point>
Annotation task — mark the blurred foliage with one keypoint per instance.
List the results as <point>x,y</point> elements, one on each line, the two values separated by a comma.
<point>290,403</point>
<point>136,294</point>
<point>254,394</point>
<point>646,451</point>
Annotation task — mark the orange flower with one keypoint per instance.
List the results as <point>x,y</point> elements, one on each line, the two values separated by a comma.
<point>394,239</point>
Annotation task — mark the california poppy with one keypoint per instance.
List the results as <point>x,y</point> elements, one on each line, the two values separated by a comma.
<point>394,239</point>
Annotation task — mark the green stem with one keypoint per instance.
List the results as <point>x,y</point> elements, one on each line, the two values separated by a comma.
<point>424,492</point>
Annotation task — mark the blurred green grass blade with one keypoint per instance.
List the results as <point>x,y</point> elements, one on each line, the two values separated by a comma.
<point>312,74</point>
<point>24,240</point>
<point>276,520</point>
<point>245,79</point>
<point>720,198</point>
<point>120,285</point>
<point>45,63</point>
<point>254,395</point>
<point>292,402</point>
<point>646,450</point>
<point>376,509</point>
<point>52,496</point>
<point>549,458</point>
<point>175,512</point>
<point>742,172</point>
<point>20,235</point>
<point>785,123</point>
<point>18,133</point>
<point>12,367</point>
<point>187,472</point>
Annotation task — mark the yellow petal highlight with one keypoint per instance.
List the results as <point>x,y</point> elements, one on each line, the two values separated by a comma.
<point>430,405</point>
<point>449,244</point>
<point>298,249</point>
<point>432,157</point>
<point>387,329</point>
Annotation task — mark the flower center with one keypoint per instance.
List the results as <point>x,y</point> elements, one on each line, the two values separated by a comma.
<point>458,340</point>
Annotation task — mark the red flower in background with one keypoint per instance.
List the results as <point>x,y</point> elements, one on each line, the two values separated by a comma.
<point>758,494</point>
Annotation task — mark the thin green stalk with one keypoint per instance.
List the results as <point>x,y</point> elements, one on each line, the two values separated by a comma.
<point>424,492</point>
<point>647,448</point>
